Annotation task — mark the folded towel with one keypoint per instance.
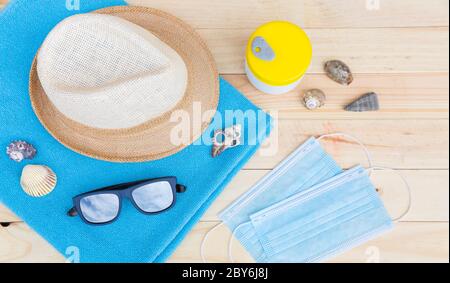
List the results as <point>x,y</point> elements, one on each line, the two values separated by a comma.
<point>134,237</point>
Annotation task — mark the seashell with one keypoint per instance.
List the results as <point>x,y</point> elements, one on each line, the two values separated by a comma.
<point>20,150</point>
<point>37,180</point>
<point>367,102</point>
<point>339,72</point>
<point>314,99</point>
<point>230,137</point>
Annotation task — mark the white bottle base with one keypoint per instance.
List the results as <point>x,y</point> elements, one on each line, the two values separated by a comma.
<point>266,88</point>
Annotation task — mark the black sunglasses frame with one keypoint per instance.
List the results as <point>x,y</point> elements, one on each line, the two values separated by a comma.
<point>122,191</point>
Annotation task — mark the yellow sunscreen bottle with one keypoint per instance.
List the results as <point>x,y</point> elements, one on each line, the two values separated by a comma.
<point>278,54</point>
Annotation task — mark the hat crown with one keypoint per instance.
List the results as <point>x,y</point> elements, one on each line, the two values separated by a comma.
<point>105,72</point>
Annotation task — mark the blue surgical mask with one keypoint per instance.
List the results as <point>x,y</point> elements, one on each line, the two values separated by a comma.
<point>307,209</point>
<point>322,221</point>
<point>305,167</point>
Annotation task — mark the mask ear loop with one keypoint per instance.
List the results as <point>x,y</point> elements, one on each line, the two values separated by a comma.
<point>230,241</point>
<point>202,245</point>
<point>407,186</point>
<point>372,168</point>
<point>366,151</point>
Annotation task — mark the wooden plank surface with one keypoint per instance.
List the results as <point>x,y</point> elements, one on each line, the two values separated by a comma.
<point>401,144</point>
<point>378,50</point>
<point>366,50</point>
<point>402,96</point>
<point>408,242</point>
<point>249,14</point>
<point>430,194</point>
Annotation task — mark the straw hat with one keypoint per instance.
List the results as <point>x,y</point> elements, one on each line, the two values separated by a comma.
<point>105,84</point>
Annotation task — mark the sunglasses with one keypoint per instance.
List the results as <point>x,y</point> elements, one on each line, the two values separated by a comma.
<point>102,206</point>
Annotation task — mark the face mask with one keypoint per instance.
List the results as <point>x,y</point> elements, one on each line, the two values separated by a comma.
<point>305,167</point>
<point>282,220</point>
<point>324,220</point>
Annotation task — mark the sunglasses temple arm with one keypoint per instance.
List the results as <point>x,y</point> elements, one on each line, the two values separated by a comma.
<point>181,188</point>
<point>72,212</point>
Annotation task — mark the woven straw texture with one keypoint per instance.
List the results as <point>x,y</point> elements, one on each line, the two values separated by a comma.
<point>149,140</point>
<point>106,72</point>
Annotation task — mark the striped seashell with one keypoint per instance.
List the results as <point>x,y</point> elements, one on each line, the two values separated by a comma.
<point>367,102</point>
<point>37,180</point>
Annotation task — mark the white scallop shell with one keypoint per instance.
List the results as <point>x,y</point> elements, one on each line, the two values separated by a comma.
<point>37,180</point>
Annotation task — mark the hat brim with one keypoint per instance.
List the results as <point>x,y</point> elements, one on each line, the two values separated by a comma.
<point>153,139</point>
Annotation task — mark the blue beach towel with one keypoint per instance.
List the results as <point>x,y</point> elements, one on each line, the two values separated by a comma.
<point>134,237</point>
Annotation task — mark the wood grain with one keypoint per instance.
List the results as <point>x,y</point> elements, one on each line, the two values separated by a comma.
<point>366,50</point>
<point>18,243</point>
<point>383,50</point>
<point>402,96</point>
<point>401,144</point>
<point>408,242</point>
<point>250,14</point>
<point>430,194</point>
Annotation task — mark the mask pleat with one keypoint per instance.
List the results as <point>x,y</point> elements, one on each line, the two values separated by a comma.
<point>311,225</point>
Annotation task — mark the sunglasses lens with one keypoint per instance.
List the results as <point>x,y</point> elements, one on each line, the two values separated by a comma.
<point>153,197</point>
<point>100,208</point>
